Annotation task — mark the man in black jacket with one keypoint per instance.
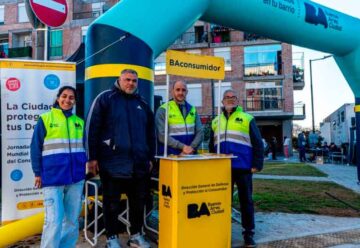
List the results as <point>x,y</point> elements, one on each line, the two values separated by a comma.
<point>121,146</point>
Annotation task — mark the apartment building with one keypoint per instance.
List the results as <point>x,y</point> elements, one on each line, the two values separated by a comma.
<point>260,69</point>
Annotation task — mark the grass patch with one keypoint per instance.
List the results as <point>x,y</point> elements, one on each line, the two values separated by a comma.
<point>291,169</point>
<point>290,196</point>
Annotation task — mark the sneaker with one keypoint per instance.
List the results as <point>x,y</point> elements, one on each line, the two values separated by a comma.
<point>249,241</point>
<point>113,242</point>
<point>138,241</point>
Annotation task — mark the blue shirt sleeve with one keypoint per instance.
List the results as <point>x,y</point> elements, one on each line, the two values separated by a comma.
<point>36,146</point>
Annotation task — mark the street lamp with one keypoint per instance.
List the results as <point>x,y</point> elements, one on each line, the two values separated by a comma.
<point>311,90</point>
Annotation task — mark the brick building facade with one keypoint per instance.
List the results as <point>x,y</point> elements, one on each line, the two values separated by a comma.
<point>260,69</point>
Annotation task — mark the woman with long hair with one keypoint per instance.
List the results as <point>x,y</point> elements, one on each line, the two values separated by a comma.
<point>58,161</point>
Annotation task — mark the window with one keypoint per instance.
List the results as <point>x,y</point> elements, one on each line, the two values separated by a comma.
<point>298,66</point>
<point>2,14</point>
<point>97,9</point>
<point>219,33</point>
<point>83,33</point>
<point>160,90</point>
<point>194,96</point>
<point>22,16</point>
<point>263,96</point>
<point>224,86</point>
<point>224,52</point>
<point>4,48</point>
<point>342,116</point>
<point>262,60</point>
<point>56,43</point>
<point>160,64</point>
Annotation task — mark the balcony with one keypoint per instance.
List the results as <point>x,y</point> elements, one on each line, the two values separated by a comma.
<point>86,15</point>
<point>204,39</point>
<point>299,111</point>
<point>20,52</point>
<point>260,71</point>
<point>298,78</point>
<point>264,104</point>
<point>253,37</point>
<point>191,40</point>
<point>267,108</point>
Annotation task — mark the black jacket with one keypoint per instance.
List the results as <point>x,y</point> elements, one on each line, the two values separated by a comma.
<point>120,134</point>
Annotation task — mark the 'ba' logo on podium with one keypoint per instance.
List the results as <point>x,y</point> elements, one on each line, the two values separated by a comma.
<point>195,212</point>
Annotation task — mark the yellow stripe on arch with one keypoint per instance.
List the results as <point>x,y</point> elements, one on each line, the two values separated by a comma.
<point>113,70</point>
<point>357,108</point>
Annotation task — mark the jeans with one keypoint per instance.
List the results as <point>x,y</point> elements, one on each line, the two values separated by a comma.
<point>244,185</point>
<point>62,209</point>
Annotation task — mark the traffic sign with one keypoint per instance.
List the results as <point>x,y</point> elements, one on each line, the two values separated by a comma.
<point>51,12</point>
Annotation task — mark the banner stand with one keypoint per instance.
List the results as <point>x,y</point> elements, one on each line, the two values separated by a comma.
<point>195,190</point>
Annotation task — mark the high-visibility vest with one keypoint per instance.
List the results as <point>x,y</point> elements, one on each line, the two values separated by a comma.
<point>63,153</point>
<point>180,128</point>
<point>235,137</point>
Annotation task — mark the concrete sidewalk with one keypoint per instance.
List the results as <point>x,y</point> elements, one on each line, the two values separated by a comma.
<point>344,175</point>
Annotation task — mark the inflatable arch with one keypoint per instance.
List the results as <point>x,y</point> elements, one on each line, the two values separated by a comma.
<point>136,32</point>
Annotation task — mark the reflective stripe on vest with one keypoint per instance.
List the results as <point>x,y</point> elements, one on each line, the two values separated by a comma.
<point>236,129</point>
<point>59,137</point>
<point>178,125</point>
<point>235,138</point>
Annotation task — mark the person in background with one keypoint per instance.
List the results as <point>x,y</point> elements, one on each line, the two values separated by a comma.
<point>121,146</point>
<point>286,147</point>
<point>185,128</point>
<point>301,146</point>
<point>240,136</point>
<point>266,147</point>
<point>273,144</point>
<point>58,161</point>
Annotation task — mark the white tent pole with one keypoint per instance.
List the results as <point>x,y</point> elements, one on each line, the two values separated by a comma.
<point>219,119</point>
<point>166,115</point>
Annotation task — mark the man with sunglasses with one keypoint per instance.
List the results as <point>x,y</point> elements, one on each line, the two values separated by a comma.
<point>240,137</point>
<point>185,132</point>
<point>121,146</point>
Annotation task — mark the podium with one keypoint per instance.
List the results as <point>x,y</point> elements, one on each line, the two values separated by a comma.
<point>195,201</point>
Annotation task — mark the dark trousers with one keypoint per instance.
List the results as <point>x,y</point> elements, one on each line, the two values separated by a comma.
<point>136,191</point>
<point>302,157</point>
<point>243,182</point>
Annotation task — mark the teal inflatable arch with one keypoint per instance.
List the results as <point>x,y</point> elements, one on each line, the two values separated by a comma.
<point>135,32</point>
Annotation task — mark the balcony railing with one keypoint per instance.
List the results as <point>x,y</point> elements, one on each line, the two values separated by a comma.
<point>265,104</point>
<point>262,69</point>
<point>20,52</point>
<point>253,37</point>
<point>219,36</point>
<point>298,74</point>
<point>299,111</point>
<point>86,15</point>
<point>191,38</point>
